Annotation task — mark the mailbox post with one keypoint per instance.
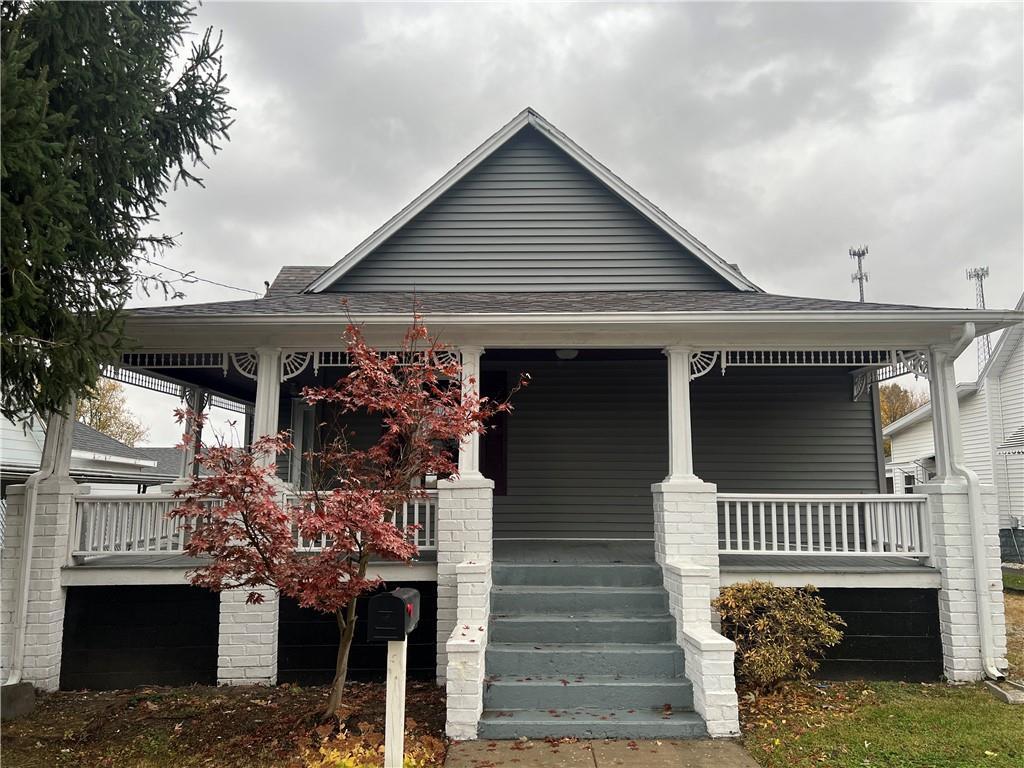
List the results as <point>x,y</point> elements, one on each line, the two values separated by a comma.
<point>392,616</point>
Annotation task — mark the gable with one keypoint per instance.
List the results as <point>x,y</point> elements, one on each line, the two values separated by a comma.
<point>529,217</point>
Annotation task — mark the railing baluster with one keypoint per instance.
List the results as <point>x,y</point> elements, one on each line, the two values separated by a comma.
<point>750,525</point>
<point>728,527</point>
<point>762,525</point>
<point>856,530</point>
<point>796,524</point>
<point>821,526</point>
<point>832,524</point>
<point>785,527</point>
<point>738,509</point>
<point>843,520</point>
<point>810,528</point>
<point>775,532</point>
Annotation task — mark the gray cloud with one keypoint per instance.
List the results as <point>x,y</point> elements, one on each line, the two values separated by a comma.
<point>779,134</point>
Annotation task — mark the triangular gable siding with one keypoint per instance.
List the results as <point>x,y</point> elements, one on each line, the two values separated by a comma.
<point>529,218</point>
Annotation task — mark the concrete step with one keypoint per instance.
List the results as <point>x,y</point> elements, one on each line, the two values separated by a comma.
<point>626,693</point>
<point>581,628</point>
<point>577,574</point>
<point>519,660</point>
<point>590,724</point>
<point>576,600</point>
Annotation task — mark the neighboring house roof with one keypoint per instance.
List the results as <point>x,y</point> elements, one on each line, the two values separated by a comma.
<point>279,303</point>
<point>1013,445</point>
<point>94,456</point>
<point>168,459</point>
<point>997,361</point>
<point>1004,347</point>
<point>529,117</point>
<point>919,414</point>
<point>87,440</point>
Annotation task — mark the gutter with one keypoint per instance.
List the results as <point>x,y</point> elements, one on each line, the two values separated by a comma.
<point>976,512</point>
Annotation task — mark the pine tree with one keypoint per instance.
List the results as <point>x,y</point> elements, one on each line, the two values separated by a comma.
<point>103,112</point>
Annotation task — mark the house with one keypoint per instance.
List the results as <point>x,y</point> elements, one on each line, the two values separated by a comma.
<point>684,429</point>
<point>106,464</point>
<point>991,413</point>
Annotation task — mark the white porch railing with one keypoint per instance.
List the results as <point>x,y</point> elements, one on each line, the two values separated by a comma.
<point>823,524</point>
<point>138,525</point>
<point>421,512</point>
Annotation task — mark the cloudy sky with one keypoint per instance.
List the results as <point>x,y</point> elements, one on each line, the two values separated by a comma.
<point>780,135</point>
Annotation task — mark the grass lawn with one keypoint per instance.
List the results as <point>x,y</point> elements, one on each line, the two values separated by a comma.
<point>254,727</point>
<point>895,725</point>
<point>1013,580</point>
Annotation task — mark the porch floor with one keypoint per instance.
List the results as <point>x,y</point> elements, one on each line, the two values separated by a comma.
<point>557,551</point>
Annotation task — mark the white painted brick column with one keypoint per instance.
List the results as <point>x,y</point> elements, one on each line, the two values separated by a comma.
<point>44,635</point>
<point>466,648</point>
<point>952,554</point>
<point>686,524</point>
<point>709,656</point>
<point>464,533</point>
<point>247,639</point>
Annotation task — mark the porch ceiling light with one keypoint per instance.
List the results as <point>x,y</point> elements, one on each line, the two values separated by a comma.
<point>566,354</point>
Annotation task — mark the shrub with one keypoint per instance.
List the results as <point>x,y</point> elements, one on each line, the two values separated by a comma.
<point>780,632</point>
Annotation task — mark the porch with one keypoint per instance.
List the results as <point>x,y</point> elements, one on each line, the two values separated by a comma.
<point>596,467</point>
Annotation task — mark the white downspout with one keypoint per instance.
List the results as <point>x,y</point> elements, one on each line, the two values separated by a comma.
<point>976,512</point>
<point>53,448</point>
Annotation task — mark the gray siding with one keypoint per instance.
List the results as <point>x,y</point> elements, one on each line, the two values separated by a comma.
<point>585,442</point>
<point>778,430</point>
<point>529,218</point>
<point>587,439</point>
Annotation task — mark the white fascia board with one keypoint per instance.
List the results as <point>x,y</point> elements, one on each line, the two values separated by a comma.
<point>90,456</point>
<point>563,142</point>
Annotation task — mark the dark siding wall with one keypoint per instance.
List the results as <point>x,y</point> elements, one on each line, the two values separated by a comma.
<point>530,219</point>
<point>308,643</point>
<point>122,637</point>
<point>587,439</point>
<point>585,442</point>
<point>778,430</point>
<point>890,634</point>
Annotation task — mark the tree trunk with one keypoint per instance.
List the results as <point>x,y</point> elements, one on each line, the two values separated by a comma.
<point>346,618</point>
<point>347,626</point>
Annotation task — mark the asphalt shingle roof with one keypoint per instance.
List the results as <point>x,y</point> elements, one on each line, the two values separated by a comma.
<point>85,438</point>
<point>487,302</point>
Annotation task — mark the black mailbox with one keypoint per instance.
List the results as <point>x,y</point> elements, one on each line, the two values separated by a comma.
<point>393,615</point>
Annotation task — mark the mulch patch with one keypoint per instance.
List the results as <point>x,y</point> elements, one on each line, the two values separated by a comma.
<point>205,726</point>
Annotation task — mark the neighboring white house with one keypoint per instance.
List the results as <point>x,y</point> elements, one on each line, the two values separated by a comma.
<point>991,411</point>
<point>105,464</point>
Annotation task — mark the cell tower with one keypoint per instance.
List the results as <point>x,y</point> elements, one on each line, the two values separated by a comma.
<point>978,275</point>
<point>860,276</point>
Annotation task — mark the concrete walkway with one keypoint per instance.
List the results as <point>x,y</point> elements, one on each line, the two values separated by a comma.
<point>703,753</point>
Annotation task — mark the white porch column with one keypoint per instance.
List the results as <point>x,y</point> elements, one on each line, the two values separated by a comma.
<point>268,395</point>
<point>464,530</point>
<point>469,450</point>
<point>196,400</point>
<point>40,514</point>
<point>686,547</point>
<point>680,444</point>
<point>965,536</point>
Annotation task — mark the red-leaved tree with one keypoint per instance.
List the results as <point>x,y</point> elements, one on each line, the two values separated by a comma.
<point>251,528</point>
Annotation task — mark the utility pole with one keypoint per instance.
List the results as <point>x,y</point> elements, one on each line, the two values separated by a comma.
<point>860,276</point>
<point>978,275</point>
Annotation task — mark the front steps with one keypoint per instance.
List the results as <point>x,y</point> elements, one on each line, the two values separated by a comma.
<point>584,650</point>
